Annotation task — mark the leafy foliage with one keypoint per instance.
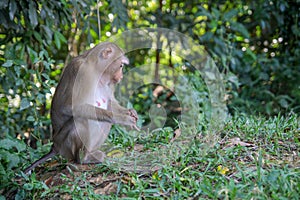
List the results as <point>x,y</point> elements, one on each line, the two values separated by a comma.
<point>255,44</point>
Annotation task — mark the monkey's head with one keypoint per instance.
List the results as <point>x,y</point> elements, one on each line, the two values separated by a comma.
<point>110,61</point>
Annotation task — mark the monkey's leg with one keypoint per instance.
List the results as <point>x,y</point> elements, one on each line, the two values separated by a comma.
<point>67,142</point>
<point>94,157</point>
<point>96,136</point>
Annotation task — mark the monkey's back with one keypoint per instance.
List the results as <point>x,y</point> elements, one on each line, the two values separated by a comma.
<point>61,105</point>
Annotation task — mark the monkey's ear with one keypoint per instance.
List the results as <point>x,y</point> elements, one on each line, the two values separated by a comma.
<point>106,52</point>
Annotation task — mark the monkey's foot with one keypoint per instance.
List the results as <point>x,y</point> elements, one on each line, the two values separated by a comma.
<point>94,157</point>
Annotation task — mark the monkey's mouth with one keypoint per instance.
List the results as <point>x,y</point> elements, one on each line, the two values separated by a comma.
<point>116,81</point>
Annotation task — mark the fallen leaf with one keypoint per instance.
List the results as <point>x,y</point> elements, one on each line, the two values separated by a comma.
<point>222,170</point>
<point>66,196</point>
<point>138,147</point>
<point>49,181</point>
<point>80,167</point>
<point>108,189</point>
<point>96,180</point>
<point>159,89</point>
<point>155,176</point>
<point>127,179</point>
<point>52,164</point>
<point>115,154</point>
<point>237,141</point>
<point>177,134</point>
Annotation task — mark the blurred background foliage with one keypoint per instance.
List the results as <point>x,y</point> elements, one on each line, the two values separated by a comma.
<point>255,44</point>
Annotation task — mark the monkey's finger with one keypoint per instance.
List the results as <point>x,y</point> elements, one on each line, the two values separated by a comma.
<point>136,117</point>
<point>135,127</point>
<point>133,119</point>
<point>133,113</point>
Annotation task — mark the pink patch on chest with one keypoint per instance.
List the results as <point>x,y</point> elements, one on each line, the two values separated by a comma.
<point>101,102</point>
<point>98,103</point>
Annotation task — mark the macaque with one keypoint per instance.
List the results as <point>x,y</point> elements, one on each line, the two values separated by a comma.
<point>84,108</point>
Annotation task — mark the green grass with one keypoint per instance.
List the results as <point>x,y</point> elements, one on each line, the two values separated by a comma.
<point>252,158</point>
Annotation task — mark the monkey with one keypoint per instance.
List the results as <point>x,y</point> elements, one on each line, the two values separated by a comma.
<point>84,108</point>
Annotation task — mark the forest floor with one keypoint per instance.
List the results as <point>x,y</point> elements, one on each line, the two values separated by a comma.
<point>250,158</point>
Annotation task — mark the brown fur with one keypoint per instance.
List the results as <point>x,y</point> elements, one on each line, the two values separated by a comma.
<point>79,126</point>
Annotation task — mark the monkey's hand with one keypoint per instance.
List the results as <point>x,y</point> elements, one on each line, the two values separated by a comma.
<point>133,113</point>
<point>126,119</point>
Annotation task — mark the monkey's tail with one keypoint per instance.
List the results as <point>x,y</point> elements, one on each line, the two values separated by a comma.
<point>41,160</point>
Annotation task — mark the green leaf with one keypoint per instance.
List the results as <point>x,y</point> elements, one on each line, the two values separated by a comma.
<point>203,12</point>
<point>20,62</point>
<point>210,75</point>
<point>14,160</point>
<point>264,76</point>
<point>269,108</point>
<point>25,103</point>
<point>56,40</point>
<point>3,4</point>
<point>8,63</point>
<point>19,82</point>
<point>30,119</point>
<point>17,70</point>
<point>32,54</point>
<point>251,54</point>
<point>283,103</point>
<point>32,14</point>
<point>206,37</point>
<point>233,79</point>
<point>48,32</point>
<point>28,186</point>
<point>238,27</point>
<point>40,97</point>
<point>230,14</point>
<point>9,144</point>
<point>12,9</point>
<point>46,76</point>
<point>38,36</point>
<point>61,37</point>
<point>282,7</point>
<point>216,13</point>
<point>20,195</point>
<point>6,144</point>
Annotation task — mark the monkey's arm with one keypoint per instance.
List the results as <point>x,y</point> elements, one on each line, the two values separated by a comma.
<point>88,111</point>
<point>117,108</point>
